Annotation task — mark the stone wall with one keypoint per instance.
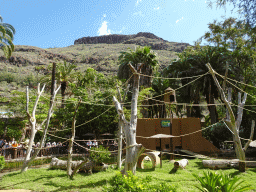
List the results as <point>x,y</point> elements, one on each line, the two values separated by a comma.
<point>113,39</point>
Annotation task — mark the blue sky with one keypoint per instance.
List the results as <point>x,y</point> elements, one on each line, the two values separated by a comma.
<point>58,23</point>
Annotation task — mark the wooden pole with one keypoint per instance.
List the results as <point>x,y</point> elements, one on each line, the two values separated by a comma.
<point>27,93</point>
<point>71,140</point>
<point>160,153</point>
<point>53,79</point>
<point>231,124</point>
<point>120,128</point>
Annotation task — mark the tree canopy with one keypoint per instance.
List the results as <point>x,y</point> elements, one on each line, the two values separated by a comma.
<point>6,37</point>
<point>247,9</point>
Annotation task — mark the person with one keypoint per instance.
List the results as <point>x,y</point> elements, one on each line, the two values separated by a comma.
<point>54,144</point>
<point>95,143</point>
<point>4,147</point>
<point>14,148</point>
<point>37,144</point>
<point>1,143</point>
<point>15,144</point>
<point>89,144</point>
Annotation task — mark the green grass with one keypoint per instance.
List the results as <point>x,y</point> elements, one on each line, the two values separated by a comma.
<point>56,180</point>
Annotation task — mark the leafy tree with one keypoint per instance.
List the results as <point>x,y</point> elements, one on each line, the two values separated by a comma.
<point>140,55</point>
<point>247,8</point>
<point>96,91</point>
<point>233,35</point>
<point>159,86</point>
<point>65,74</point>
<point>191,63</point>
<point>6,38</point>
<point>233,44</point>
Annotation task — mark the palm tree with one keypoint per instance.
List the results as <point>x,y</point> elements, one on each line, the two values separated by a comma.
<point>64,74</point>
<point>140,55</point>
<point>192,62</point>
<point>6,38</point>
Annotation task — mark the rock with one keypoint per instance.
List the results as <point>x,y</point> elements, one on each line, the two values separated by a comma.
<point>114,38</point>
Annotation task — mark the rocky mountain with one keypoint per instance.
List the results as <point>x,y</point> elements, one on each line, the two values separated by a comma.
<point>114,38</point>
<point>141,38</point>
<point>28,63</point>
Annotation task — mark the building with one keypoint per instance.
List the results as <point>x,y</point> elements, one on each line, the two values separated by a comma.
<point>176,127</point>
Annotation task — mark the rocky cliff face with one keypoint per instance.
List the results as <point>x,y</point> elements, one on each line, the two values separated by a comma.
<point>113,39</point>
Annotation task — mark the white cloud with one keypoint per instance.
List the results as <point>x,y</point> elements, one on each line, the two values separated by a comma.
<point>179,20</point>
<point>123,28</point>
<point>137,2</point>
<point>104,15</point>
<point>103,30</point>
<point>139,13</point>
<point>156,8</point>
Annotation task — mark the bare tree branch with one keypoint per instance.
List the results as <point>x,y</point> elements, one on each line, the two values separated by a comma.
<point>251,136</point>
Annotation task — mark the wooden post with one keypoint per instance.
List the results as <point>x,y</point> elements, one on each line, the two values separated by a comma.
<point>133,149</point>
<point>231,124</point>
<point>160,159</point>
<point>71,140</point>
<point>120,128</point>
<point>53,79</point>
<point>35,129</point>
<point>27,93</point>
<point>32,120</point>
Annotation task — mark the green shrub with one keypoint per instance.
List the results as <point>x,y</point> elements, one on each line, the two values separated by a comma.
<point>2,162</point>
<point>99,157</point>
<point>219,182</point>
<point>132,183</point>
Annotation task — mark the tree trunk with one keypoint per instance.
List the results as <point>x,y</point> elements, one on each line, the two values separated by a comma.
<point>63,89</point>
<point>212,107</point>
<point>120,136</point>
<point>37,150</point>
<point>219,164</point>
<point>240,110</point>
<point>232,125</point>
<point>70,146</point>
<point>32,120</point>
<point>133,149</point>
<point>120,128</point>
<point>29,149</point>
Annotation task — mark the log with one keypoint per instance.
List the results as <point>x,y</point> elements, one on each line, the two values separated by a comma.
<point>181,164</point>
<point>220,164</point>
<point>61,164</point>
<point>87,167</point>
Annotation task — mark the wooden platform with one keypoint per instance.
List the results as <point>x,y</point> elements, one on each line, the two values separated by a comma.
<point>198,156</point>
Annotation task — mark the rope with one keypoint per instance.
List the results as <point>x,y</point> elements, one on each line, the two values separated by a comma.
<point>237,87</point>
<point>178,78</point>
<point>236,81</point>
<point>86,121</point>
<point>170,91</point>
